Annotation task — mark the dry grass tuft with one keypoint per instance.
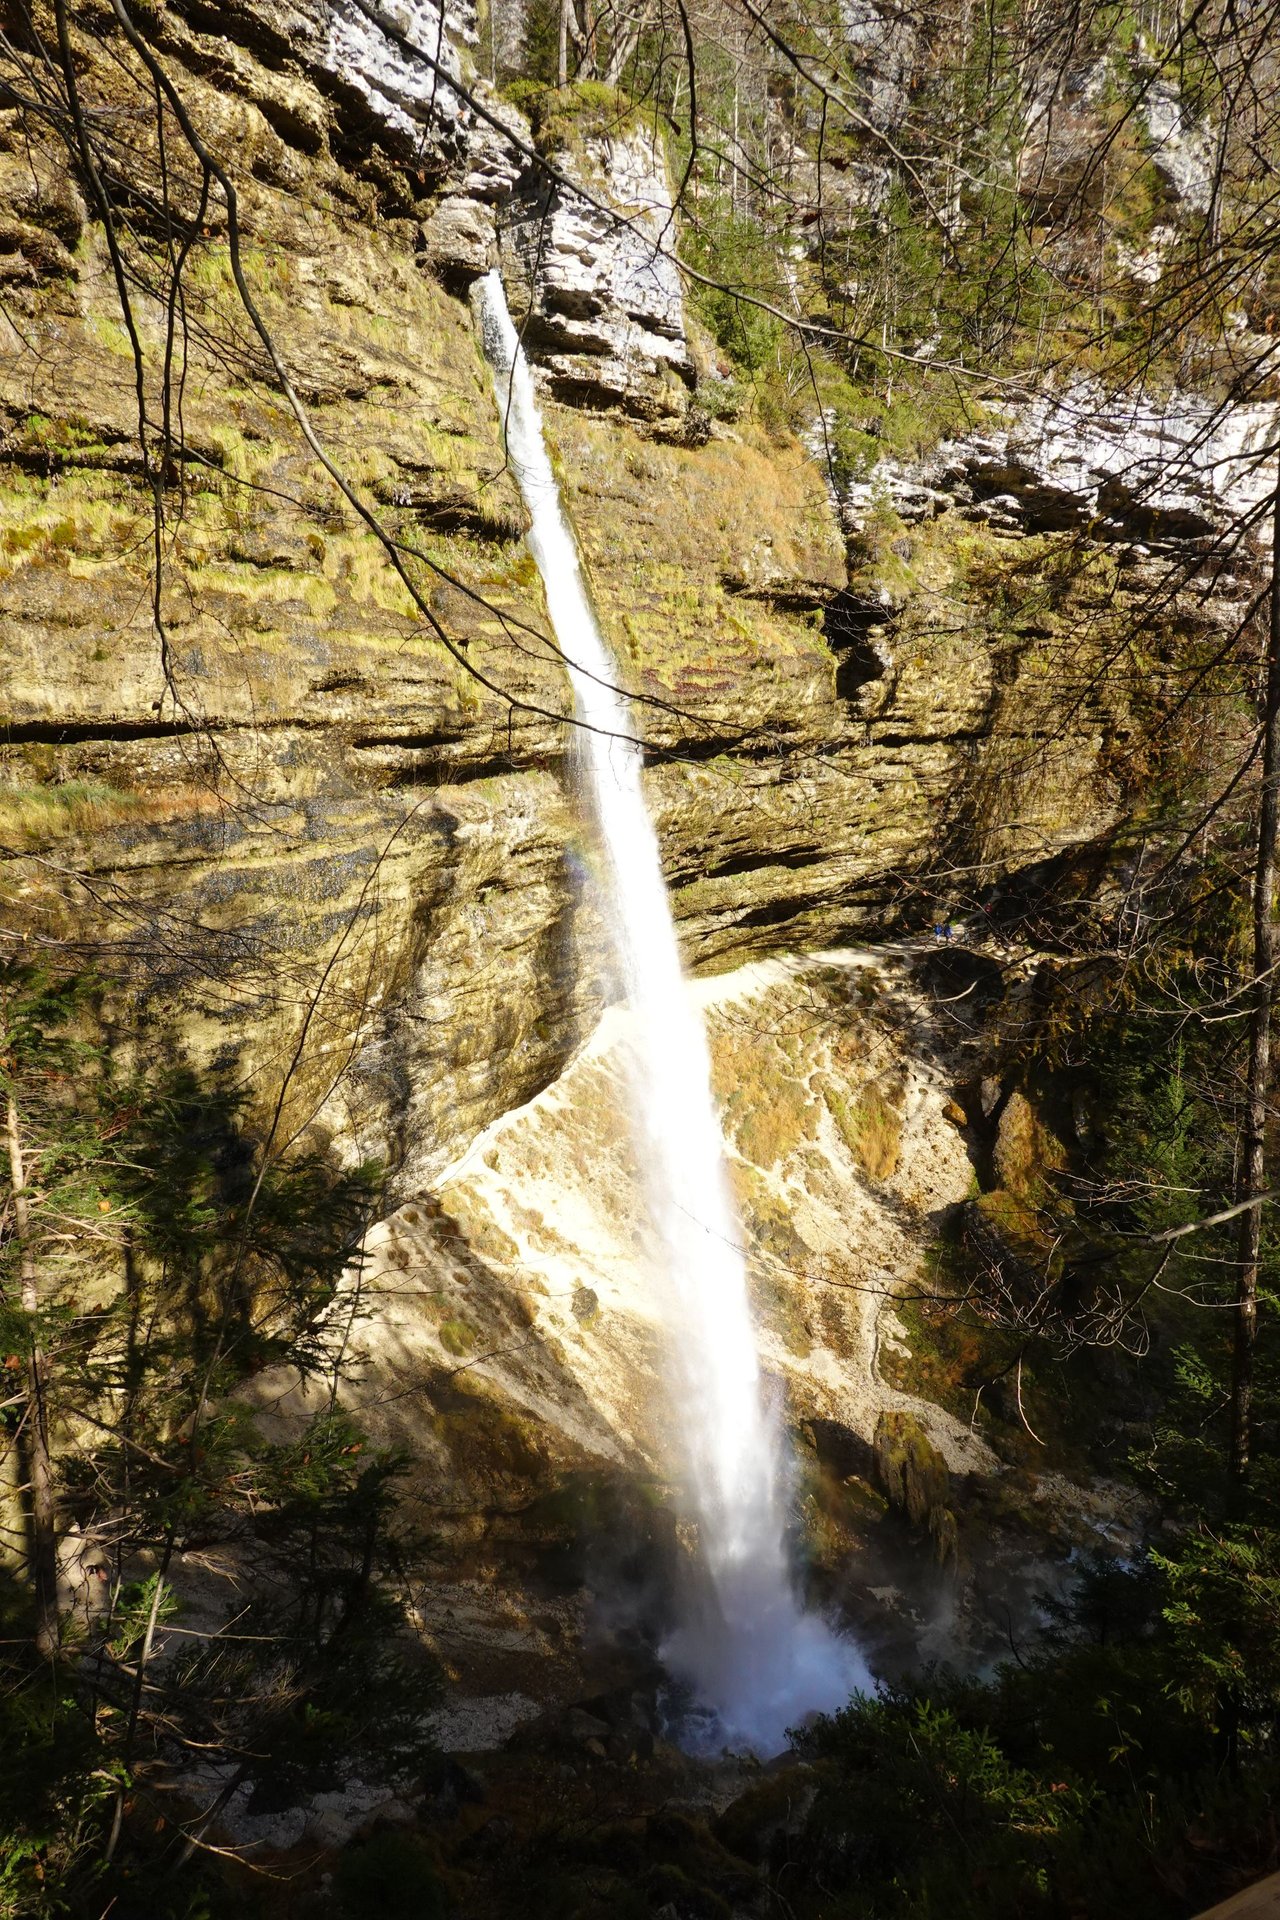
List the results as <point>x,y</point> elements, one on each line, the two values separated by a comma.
<point>870,1126</point>
<point>31,816</point>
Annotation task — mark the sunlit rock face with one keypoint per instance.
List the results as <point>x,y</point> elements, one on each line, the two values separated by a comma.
<point>833,1102</point>
<point>603,307</point>
<point>348,72</point>
<point>325,789</point>
<point>508,1333</point>
<point>378,47</point>
<point>1182,148</point>
<point>1126,466</point>
<point>604,310</point>
<point>529,1253</point>
<point>1066,127</point>
<point>1064,122</point>
<point>509,1325</point>
<point>883,44</point>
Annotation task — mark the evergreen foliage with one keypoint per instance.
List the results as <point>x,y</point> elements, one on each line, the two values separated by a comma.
<point>1117,1769</point>
<point>176,1261</point>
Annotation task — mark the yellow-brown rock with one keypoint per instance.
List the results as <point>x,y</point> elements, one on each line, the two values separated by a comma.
<point>318,805</point>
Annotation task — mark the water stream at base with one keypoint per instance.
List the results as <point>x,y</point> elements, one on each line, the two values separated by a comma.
<point>755,1660</point>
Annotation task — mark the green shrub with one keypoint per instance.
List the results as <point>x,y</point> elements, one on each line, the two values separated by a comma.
<point>391,1876</point>
<point>746,261</point>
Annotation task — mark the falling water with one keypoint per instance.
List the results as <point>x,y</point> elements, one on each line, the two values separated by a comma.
<point>756,1661</point>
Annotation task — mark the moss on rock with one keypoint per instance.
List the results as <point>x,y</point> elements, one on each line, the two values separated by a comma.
<point>915,1478</point>
<point>870,1124</point>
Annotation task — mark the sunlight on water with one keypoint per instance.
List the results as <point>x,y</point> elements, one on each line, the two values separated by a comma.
<point>756,1661</point>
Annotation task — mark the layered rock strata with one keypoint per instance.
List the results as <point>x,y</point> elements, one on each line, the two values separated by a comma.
<point>1122,466</point>
<point>319,816</point>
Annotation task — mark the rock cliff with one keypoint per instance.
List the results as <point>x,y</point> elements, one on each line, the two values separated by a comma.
<point>286,737</point>
<point>294,791</point>
<point>1125,467</point>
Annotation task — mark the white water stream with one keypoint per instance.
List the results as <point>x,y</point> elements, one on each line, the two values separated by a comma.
<point>757,1662</point>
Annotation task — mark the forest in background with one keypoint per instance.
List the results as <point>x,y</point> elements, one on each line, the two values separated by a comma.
<point>887,237</point>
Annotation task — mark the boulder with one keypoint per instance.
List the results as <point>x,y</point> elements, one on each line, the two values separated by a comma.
<point>459,239</point>
<point>760,1822</point>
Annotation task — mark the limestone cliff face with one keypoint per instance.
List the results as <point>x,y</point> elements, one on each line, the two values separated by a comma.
<point>602,302</point>
<point>327,832</point>
<point>1127,467</point>
<point>333,832</point>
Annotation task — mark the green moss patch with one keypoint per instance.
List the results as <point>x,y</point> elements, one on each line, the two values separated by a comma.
<point>564,119</point>
<point>870,1124</point>
<point>767,1108</point>
<point>457,1337</point>
<point>915,1479</point>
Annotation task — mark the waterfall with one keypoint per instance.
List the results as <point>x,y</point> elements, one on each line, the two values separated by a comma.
<point>756,1661</point>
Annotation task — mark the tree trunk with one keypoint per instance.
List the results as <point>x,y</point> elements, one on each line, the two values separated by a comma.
<point>733,184</point>
<point>625,41</point>
<point>1252,1175</point>
<point>37,1466</point>
<point>562,57</point>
